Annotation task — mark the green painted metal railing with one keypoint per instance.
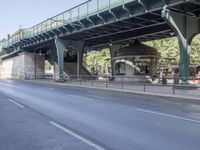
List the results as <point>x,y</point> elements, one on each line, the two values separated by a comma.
<point>81,11</point>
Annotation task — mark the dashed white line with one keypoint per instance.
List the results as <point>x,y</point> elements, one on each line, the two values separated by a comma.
<point>168,115</point>
<point>90,143</point>
<point>14,102</point>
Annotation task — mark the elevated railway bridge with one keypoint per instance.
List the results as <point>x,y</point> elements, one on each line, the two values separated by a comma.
<point>96,24</point>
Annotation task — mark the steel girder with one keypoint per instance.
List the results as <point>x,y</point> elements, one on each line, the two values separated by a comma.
<point>61,45</point>
<point>134,15</point>
<point>185,27</point>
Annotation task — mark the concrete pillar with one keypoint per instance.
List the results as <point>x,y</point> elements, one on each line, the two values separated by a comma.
<point>39,66</point>
<point>23,66</point>
<point>79,47</point>
<point>185,27</point>
<point>60,47</point>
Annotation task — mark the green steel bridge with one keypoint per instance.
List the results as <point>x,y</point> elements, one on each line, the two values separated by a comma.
<point>100,23</point>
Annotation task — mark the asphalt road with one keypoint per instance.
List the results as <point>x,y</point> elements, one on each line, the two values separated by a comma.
<point>42,116</point>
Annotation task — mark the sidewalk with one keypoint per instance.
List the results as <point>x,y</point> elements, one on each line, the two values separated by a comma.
<point>160,91</point>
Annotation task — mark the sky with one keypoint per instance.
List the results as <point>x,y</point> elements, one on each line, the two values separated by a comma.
<point>27,13</point>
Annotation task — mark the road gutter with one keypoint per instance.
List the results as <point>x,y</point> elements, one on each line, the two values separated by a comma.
<point>182,97</point>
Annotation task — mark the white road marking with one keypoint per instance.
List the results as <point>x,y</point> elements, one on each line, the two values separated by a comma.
<point>81,97</point>
<point>14,102</point>
<point>90,143</point>
<point>168,115</point>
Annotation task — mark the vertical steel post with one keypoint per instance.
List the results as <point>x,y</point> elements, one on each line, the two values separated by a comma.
<point>173,86</point>
<point>63,19</point>
<point>51,24</point>
<point>122,82</point>
<point>57,21</point>
<point>78,64</point>
<point>60,46</point>
<point>87,8</point>
<point>46,25</point>
<point>78,13</point>
<point>92,81</point>
<point>35,64</point>
<point>97,6</point>
<point>71,16</point>
<point>144,85</point>
<point>185,27</point>
<point>80,80</point>
<point>106,82</point>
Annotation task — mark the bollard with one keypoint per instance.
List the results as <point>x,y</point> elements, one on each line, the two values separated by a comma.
<point>122,82</point>
<point>173,86</point>
<point>92,81</point>
<point>106,82</point>
<point>144,85</point>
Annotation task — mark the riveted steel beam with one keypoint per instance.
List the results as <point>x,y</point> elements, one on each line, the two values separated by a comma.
<point>92,23</point>
<point>142,3</point>
<point>113,14</point>
<point>73,26</point>
<point>195,1</point>
<point>61,45</point>
<point>123,31</point>
<point>45,35</point>
<point>185,27</point>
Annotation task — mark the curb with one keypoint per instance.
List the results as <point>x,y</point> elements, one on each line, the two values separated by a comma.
<point>121,90</point>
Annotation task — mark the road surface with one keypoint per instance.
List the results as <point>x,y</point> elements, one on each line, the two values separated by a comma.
<point>43,116</point>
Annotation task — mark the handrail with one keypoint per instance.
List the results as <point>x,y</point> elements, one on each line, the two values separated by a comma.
<point>45,26</point>
<point>83,10</point>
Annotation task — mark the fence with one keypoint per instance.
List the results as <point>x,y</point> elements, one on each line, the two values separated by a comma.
<point>142,84</point>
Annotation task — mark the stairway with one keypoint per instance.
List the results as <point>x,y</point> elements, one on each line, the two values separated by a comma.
<point>70,69</point>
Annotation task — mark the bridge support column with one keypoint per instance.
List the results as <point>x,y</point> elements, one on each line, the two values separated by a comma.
<point>61,45</point>
<point>79,58</point>
<point>185,27</point>
<point>113,49</point>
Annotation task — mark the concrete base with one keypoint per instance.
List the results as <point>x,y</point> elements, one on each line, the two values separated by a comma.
<point>24,66</point>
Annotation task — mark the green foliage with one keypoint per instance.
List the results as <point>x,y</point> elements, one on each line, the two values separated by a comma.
<point>168,48</point>
<point>195,50</point>
<point>98,60</point>
<point>47,65</point>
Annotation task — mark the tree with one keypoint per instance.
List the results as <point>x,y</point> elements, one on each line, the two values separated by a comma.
<point>195,50</point>
<point>98,60</point>
<point>167,47</point>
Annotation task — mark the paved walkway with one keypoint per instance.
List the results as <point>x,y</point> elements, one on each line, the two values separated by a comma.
<point>153,90</point>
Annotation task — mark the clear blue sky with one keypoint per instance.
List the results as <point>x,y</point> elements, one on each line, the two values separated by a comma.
<point>27,13</point>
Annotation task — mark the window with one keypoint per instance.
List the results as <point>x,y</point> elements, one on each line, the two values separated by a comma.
<point>120,68</point>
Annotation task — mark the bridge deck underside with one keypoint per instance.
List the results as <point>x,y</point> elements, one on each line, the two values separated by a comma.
<point>120,25</point>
